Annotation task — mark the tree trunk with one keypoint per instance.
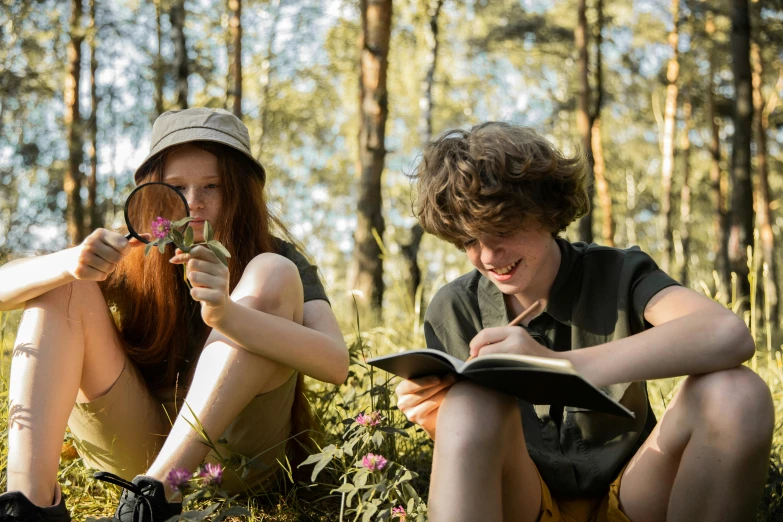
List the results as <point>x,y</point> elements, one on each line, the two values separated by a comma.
<point>410,251</point>
<point>670,116</point>
<point>181,65</point>
<point>719,183</point>
<point>92,182</point>
<point>763,211</point>
<point>367,267</point>
<point>630,223</point>
<point>74,214</point>
<point>425,101</point>
<point>266,78</point>
<point>599,166</point>
<point>741,216</point>
<point>685,191</point>
<point>583,122</point>
<point>159,69</point>
<point>235,24</point>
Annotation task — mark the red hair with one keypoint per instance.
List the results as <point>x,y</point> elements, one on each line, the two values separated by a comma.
<point>157,317</point>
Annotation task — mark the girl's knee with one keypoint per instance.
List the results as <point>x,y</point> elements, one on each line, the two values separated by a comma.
<point>71,295</point>
<point>271,283</point>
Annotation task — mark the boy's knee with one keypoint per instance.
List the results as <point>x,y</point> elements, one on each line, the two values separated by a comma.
<point>733,403</point>
<point>475,414</point>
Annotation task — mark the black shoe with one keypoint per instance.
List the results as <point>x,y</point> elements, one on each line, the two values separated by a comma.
<point>15,507</point>
<point>144,499</point>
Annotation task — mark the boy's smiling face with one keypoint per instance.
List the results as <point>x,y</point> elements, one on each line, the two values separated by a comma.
<point>521,262</point>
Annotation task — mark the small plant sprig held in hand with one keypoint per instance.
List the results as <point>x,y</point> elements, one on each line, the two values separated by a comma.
<point>166,232</point>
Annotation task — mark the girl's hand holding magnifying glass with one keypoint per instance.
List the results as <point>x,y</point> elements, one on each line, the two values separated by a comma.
<point>97,256</point>
<point>209,279</point>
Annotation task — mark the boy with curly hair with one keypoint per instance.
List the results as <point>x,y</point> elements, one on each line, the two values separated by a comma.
<point>503,194</point>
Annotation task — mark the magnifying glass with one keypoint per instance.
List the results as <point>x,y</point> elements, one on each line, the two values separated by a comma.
<point>151,206</point>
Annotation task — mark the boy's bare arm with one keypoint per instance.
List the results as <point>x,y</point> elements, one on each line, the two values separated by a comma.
<point>692,335</point>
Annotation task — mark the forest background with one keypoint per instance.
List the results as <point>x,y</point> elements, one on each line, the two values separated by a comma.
<point>675,103</point>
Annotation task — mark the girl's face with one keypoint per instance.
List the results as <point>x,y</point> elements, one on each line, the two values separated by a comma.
<point>194,172</point>
<point>523,262</point>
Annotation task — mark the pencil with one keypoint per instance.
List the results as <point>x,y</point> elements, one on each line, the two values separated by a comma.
<point>521,317</point>
<point>524,315</point>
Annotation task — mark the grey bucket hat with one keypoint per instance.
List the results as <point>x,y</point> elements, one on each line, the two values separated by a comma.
<point>199,124</point>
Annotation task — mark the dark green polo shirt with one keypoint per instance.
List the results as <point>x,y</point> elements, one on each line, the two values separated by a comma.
<point>598,295</point>
<point>311,283</point>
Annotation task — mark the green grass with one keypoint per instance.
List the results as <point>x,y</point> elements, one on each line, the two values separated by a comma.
<point>365,390</point>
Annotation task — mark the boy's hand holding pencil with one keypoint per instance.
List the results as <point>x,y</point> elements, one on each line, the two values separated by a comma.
<point>509,340</point>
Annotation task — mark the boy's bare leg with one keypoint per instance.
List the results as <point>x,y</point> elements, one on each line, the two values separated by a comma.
<point>707,459</point>
<point>66,349</point>
<point>227,376</point>
<point>481,469</point>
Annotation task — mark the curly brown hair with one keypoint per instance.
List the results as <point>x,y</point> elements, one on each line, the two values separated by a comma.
<point>494,176</point>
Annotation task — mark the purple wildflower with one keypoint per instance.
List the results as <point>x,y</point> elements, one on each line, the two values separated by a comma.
<point>369,420</point>
<point>161,227</point>
<point>400,513</point>
<point>374,462</point>
<point>212,474</point>
<point>178,478</point>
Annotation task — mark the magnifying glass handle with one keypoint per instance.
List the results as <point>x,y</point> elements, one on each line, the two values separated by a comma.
<point>128,236</point>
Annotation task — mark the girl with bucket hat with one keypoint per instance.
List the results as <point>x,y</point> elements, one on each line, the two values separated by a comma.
<point>116,345</point>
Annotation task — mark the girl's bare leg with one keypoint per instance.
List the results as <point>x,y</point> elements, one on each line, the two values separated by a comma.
<point>227,376</point>
<point>66,349</point>
<point>481,469</point>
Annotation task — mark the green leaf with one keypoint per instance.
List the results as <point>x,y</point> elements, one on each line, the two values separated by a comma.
<point>218,254</point>
<point>370,510</point>
<point>189,237</point>
<point>345,488</point>
<point>377,438</point>
<point>360,479</point>
<point>148,247</point>
<point>177,238</point>
<point>350,496</point>
<point>181,222</point>
<point>162,247</point>
<point>312,459</point>
<point>405,476</point>
<point>399,431</point>
<point>219,246</point>
<point>325,460</point>
<point>207,231</point>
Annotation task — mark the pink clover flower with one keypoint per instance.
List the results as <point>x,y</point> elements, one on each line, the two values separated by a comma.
<point>178,478</point>
<point>374,462</point>
<point>212,473</point>
<point>370,419</point>
<point>161,227</point>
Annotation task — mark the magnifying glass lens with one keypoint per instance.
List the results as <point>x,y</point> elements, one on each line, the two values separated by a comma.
<point>150,209</point>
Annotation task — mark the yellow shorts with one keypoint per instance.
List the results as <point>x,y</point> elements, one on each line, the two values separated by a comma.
<point>123,430</point>
<point>582,509</point>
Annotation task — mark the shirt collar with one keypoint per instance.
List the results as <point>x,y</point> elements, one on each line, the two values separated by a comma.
<point>493,306</point>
